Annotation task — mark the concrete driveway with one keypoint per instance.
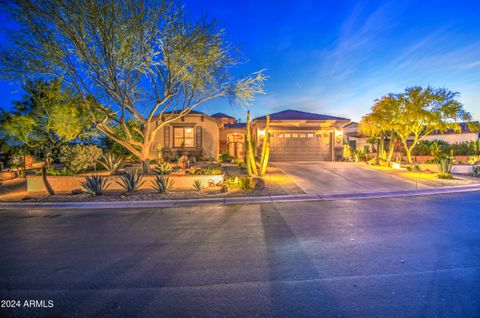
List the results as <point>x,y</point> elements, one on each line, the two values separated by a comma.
<point>322,177</point>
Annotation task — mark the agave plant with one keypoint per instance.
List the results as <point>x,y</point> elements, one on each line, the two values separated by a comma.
<point>131,181</point>
<point>475,171</point>
<point>445,165</point>
<point>163,168</point>
<point>96,184</point>
<point>111,162</point>
<point>163,184</point>
<point>197,185</point>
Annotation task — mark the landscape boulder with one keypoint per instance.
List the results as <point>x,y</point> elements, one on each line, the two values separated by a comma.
<point>257,183</point>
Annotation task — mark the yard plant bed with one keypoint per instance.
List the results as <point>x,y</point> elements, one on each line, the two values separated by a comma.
<point>151,195</point>
<point>426,178</point>
<point>276,183</point>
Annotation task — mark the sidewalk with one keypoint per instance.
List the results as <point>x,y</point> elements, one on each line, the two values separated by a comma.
<point>238,200</point>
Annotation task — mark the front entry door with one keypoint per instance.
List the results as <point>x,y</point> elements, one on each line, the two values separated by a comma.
<point>235,146</point>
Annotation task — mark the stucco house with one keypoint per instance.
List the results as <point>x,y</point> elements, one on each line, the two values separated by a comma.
<point>468,132</point>
<point>294,135</point>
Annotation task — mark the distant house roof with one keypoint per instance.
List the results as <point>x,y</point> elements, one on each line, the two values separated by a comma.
<point>237,125</point>
<point>466,128</point>
<point>192,112</point>
<point>350,124</point>
<point>221,115</point>
<point>291,114</point>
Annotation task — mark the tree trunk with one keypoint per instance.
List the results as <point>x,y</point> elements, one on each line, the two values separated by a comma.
<point>45,181</point>
<point>391,148</point>
<point>145,158</point>
<point>409,155</point>
<point>146,166</point>
<point>381,148</point>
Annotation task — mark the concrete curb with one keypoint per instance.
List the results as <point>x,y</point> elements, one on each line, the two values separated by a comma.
<point>238,200</point>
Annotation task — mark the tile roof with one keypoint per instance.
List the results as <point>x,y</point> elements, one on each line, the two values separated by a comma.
<point>465,128</point>
<point>221,115</point>
<point>291,114</point>
<point>237,125</point>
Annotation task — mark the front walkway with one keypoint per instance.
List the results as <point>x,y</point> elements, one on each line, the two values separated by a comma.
<point>322,177</point>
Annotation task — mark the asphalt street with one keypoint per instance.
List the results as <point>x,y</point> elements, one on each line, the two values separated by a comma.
<point>402,257</point>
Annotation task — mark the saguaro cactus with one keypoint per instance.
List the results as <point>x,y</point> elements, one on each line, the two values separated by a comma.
<point>265,149</point>
<point>257,168</point>
<point>249,156</point>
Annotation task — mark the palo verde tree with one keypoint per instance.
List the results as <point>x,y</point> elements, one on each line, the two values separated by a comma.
<point>144,62</point>
<point>45,118</point>
<point>379,123</point>
<point>418,112</point>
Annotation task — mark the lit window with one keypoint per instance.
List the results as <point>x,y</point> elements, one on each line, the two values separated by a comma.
<point>303,135</point>
<point>287,135</point>
<point>294,135</point>
<point>183,137</point>
<point>310,135</point>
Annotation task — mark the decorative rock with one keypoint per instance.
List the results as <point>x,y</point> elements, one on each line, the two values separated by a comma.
<point>257,183</point>
<point>77,191</point>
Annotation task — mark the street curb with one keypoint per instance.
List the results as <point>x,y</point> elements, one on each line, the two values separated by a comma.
<point>238,200</point>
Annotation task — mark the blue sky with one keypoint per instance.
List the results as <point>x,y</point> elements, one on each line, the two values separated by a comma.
<point>336,57</point>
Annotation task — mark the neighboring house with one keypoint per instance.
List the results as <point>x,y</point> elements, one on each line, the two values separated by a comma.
<point>355,139</point>
<point>295,135</point>
<point>469,132</point>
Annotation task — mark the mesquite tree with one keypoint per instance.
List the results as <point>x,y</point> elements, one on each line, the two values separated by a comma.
<point>143,61</point>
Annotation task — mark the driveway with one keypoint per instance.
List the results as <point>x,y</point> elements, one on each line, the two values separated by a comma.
<point>323,177</point>
<point>403,257</point>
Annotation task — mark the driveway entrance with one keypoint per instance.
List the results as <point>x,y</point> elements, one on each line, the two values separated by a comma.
<point>341,177</point>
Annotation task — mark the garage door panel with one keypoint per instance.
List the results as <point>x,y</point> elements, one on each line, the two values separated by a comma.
<point>289,149</point>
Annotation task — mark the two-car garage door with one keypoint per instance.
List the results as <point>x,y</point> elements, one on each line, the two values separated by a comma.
<point>293,146</point>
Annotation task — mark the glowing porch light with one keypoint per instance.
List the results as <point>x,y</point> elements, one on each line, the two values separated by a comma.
<point>261,133</point>
<point>396,165</point>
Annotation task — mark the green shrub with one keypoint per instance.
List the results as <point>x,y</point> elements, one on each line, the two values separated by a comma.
<point>163,184</point>
<point>55,173</point>
<point>208,171</point>
<point>163,168</point>
<point>225,157</point>
<point>237,182</point>
<point>95,184</point>
<point>111,162</point>
<point>475,171</point>
<point>78,158</point>
<point>442,175</point>
<point>131,181</point>
<point>197,185</point>
<point>473,160</point>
